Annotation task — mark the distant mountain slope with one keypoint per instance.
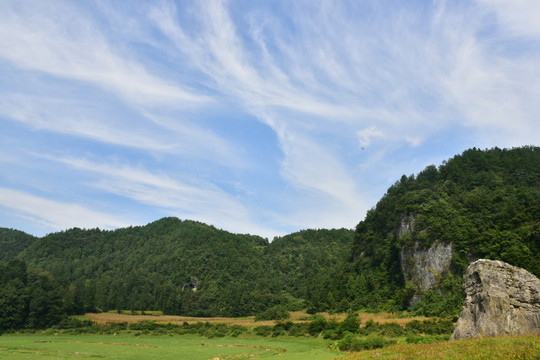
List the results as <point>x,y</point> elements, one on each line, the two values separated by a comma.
<point>12,242</point>
<point>185,267</point>
<point>307,258</point>
<point>481,204</point>
<point>147,267</point>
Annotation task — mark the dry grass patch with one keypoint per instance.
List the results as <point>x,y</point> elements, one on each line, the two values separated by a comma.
<point>515,347</point>
<point>296,316</point>
<point>107,318</point>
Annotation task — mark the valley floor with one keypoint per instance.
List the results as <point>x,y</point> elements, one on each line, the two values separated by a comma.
<point>125,346</point>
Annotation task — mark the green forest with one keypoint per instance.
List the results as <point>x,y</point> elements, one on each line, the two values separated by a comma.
<point>485,203</point>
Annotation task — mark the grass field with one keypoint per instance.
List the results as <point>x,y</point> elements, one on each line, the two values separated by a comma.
<point>499,348</point>
<point>45,347</point>
<point>107,340</point>
<point>126,346</point>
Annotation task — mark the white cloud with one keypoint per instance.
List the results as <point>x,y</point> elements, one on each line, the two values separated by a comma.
<point>366,135</point>
<point>327,78</point>
<point>520,17</point>
<point>189,198</point>
<point>57,39</point>
<point>55,214</point>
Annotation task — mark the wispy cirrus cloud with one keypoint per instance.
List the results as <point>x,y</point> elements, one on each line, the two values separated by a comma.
<point>311,109</point>
<point>57,215</point>
<point>67,44</point>
<point>188,198</point>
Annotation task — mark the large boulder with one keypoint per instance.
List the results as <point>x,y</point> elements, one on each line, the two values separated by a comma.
<point>500,299</point>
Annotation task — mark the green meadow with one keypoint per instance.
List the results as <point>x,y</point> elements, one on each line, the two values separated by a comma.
<point>191,347</point>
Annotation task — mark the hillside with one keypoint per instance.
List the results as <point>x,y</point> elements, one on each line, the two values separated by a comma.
<point>305,260</point>
<point>480,204</point>
<point>184,267</point>
<point>12,242</point>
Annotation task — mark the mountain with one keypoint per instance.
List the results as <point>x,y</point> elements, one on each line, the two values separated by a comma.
<point>304,260</point>
<point>12,242</point>
<point>480,204</point>
<point>184,267</point>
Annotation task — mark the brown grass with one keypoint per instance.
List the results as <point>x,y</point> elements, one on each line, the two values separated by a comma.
<point>296,316</point>
<point>511,347</point>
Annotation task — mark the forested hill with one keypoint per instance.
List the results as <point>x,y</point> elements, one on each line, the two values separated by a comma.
<point>159,266</point>
<point>486,204</point>
<point>12,242</point>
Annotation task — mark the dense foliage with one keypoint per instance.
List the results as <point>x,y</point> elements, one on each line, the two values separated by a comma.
<point>185,267</point>
<point>28,298</point>
<point>307,264</point>
<point>485,203</point>
<point>12,242</point>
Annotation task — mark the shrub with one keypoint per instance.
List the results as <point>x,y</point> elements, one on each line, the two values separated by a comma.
<point>331,334</point>
<point>392,329</point>
<point>431,327</point>
<point>354,343</point>
<point>299,329</point>
<point>370,327</point>
<point>350,324</point>
<point>236,330</point>
<point>73,323</point>
<point>317,325</point>
<point>263,330</point>
<point>439,327</point>
<point>278,312</point>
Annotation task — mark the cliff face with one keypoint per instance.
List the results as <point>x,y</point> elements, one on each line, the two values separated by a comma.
<point>500,299</point>
<point>420,265</point>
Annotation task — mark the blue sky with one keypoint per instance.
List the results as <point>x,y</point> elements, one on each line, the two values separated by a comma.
<point>261,117</point>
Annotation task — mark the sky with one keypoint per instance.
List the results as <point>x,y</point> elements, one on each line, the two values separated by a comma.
<point>261,117</point>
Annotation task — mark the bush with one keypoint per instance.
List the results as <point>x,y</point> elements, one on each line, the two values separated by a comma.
<point>263,330</point>
<point>73,323</point>
<point>236,330</point>
<point>392,329</point>
<point>278,312</point>
<point>439,327</point>
<point>354,343</point>
<point>370,328</point>
<point>350,324</point>
<point>431,327</point>
<point>317,325</point>
<point>332,334</point>
<point>415,326</point>
<point>299,329</point>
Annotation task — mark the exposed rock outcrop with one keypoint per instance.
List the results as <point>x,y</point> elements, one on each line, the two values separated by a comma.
<point>421,265</point>
<point>500,299</point>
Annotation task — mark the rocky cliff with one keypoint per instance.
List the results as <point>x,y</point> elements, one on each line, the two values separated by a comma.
<point>422,265</point>
<point>500,299</point>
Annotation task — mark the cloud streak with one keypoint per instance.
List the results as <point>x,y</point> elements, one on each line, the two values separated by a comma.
<point>54,214</point>
<point>68,45</point>
<point>314,108</point>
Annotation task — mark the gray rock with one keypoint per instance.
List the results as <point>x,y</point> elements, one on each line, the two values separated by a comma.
<point>500,299</point>
<point>423,266</point>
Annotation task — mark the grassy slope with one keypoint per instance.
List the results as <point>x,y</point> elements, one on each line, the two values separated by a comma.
<point>522,347</point>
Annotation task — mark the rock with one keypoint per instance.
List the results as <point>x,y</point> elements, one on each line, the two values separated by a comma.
<point>422,265</point>
<point>500,299</point>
